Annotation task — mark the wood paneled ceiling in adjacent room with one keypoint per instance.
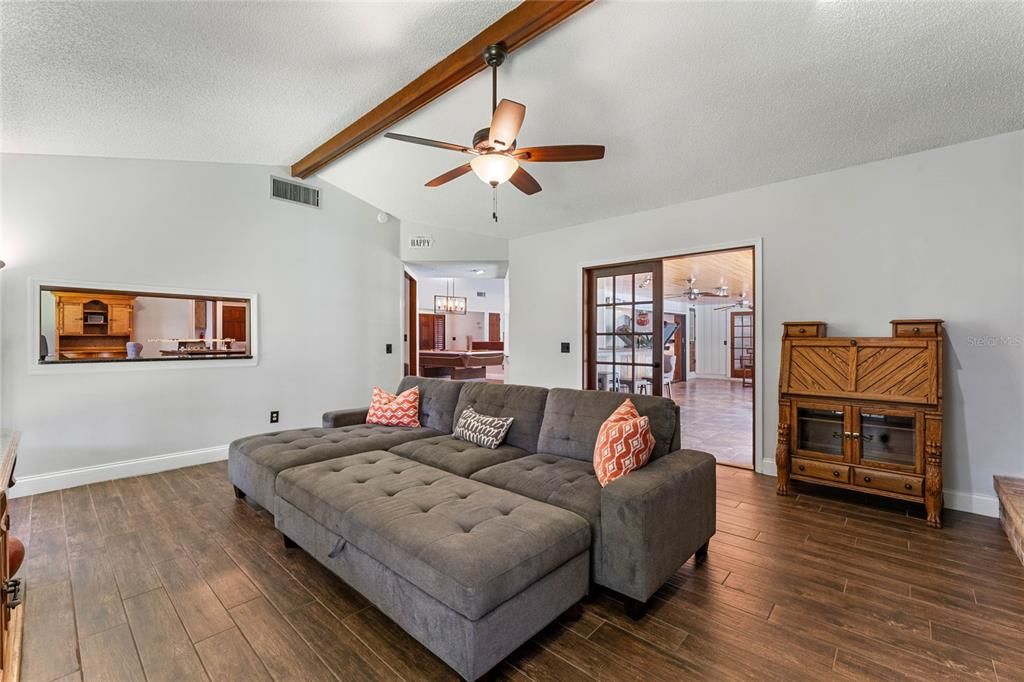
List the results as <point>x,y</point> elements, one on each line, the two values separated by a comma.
<point>732,269</point>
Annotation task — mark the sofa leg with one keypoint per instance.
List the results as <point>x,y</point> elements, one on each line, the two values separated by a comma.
<point>238,493</point>
<point>288,542</point>
<point>702,553</point>
<point>635,608</point>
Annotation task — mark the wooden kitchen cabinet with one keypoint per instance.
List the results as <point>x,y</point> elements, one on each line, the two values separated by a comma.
<point>92,326</point>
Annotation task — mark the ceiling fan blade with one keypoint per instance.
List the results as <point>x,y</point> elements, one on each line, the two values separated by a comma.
<point>561,152</point>
<point>429,143</point>
<point>505,123</point>
<point>524,182</point>
<point>450,175</point>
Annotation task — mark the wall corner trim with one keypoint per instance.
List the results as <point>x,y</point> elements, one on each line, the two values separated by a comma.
<point>69,478</point>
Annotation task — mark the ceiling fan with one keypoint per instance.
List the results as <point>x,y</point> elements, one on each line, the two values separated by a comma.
<point>742,302</point>
<point>693,293</point>
<point>496,157</point>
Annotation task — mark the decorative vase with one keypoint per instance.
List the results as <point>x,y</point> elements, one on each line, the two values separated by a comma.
<point>134,350</point>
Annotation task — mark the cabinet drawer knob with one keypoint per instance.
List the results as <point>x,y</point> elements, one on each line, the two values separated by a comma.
<point>916,330</point>
<point>867,479</point>
<point>801,330</point>
<point>908,486</point>
<point>853,342</point>
<point>800,467</point>
<point>836,474</point>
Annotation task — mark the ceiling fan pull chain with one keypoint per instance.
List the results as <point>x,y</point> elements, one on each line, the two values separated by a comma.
<point>494,205</point>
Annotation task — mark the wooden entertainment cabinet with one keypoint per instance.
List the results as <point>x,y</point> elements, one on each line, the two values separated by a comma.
<point>863,413</point>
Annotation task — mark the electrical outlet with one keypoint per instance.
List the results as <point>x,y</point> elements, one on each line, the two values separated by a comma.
<point>565,346</point>
<point>387,348</point>
<point>275,416</point>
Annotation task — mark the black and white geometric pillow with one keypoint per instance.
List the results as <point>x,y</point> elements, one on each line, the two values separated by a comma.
<point>481,429</point>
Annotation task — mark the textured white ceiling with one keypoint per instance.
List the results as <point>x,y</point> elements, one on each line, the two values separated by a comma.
<point>698,99</point>
<point>246,82</point>
<point>691,99</point>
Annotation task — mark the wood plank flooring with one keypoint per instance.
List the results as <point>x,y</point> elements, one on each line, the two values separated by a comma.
<point>168,577</point>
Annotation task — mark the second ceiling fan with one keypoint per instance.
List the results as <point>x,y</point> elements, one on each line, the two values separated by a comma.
<point>496,156</point>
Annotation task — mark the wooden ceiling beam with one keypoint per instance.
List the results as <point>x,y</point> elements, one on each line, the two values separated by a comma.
<point>515,29</point>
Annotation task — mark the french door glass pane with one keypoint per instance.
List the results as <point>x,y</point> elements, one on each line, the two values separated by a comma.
<point>644,289</point>
<point>605,320</point>
<point>623,319</point>
<point>606,378</point>
<point>642,322</point>
<point>604,290</point>
<point>624,288</point>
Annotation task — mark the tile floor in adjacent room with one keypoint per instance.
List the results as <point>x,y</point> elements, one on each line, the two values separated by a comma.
<point>717,416</point>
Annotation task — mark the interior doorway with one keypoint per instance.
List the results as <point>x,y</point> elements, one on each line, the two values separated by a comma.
<point>682,327</point>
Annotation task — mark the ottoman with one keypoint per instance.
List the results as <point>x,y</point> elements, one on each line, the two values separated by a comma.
<point>469,570</point>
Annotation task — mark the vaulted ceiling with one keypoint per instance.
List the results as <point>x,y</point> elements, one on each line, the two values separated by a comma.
<point>690,99</point>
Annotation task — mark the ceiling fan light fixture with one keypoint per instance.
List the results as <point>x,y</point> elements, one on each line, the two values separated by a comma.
<point>494,168</point>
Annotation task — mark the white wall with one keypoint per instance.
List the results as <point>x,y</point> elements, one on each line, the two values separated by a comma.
<point>935,234</point>
<point>328,283</point>
<point>451,245</point>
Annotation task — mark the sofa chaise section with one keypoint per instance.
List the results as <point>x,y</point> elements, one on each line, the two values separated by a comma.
<point>470,571</point>
<point>646,524</point>
<point>255,461</point>
<point>525,404</point>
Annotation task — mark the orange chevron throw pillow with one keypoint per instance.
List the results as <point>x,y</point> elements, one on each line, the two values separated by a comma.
<point>624,444</point>
<point>388,409</point>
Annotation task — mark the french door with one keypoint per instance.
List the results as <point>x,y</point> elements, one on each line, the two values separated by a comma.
<point>624,328</point>
<point>741,360</point>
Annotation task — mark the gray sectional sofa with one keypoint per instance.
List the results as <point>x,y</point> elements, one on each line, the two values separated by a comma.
<point>472,550</point>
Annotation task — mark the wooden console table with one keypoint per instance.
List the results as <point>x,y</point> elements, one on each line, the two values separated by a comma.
<point>863,413</point>
<point>10,588</point>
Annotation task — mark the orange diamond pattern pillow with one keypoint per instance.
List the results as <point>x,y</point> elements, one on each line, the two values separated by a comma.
<point>624,444</point>
<point>388,409</point>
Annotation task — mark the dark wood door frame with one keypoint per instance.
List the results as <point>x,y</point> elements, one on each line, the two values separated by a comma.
<point>516,28</point>
<point>755,294</point>
<point>412,308</point>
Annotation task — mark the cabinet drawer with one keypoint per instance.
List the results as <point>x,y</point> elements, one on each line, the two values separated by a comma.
<point>915,329</point>
<point>884,480</point>
<point>823,470</point>
<point>799,330</point>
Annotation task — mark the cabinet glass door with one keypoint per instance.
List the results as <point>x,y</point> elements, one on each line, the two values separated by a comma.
<point>888,439</point>
<point>820,430</point>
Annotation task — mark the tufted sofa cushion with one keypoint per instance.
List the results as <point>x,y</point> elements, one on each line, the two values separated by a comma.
<point>468,545</point>
<point>524,403</point>
<point>454,455</point>
<point>561,481</point>
<point>572,419</point>
<point>438,398</point>
<point>255,461</point>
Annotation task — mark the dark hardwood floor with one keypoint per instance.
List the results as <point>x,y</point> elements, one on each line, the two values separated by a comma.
<point>168,577</point>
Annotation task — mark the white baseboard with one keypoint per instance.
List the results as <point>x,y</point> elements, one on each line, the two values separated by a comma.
<point>975,503</point>
<point>69,478</point>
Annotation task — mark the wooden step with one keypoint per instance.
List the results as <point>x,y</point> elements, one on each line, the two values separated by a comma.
<point>1011,510</point>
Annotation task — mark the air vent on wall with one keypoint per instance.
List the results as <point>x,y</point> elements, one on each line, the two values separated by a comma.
<point>286,190</point>
<point>481,294</point>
